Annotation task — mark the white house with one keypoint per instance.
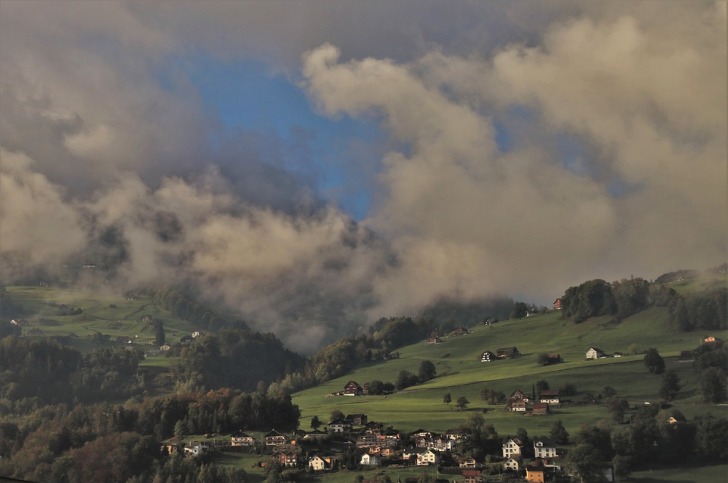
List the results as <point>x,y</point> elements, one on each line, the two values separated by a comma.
<point>318,463</point>
<point>511,464</point>
<point>427,457</point>
<point>544,448</point>
<point>595,353</point>
<point>512,448</point>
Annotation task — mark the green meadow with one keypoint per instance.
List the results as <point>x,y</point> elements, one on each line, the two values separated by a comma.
<point>460,373</point>
<point>112,315</point>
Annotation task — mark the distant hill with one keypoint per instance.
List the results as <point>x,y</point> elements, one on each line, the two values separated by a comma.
<point>169,330</point>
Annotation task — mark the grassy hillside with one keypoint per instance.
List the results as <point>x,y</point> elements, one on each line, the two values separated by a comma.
<point>112,315</point>
<point>461,373</point>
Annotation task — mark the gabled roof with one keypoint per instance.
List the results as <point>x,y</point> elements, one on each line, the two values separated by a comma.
<point>516,441</point>
<point>240,434</point>
<point>545,442</point>
<point>549,392</point>
<point>274,433</point>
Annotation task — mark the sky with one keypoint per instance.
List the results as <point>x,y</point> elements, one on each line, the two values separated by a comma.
<point>314,166</point>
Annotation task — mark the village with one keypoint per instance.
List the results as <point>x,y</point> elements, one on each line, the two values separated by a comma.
<point>352,442</point>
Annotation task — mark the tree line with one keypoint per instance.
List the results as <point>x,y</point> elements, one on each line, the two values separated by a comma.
<point>702,310</point>
<point>105,442</point>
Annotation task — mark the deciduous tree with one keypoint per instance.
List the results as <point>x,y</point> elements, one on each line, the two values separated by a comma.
<point>670,386</point>
<point>654,361</point>
<point>462,403</point>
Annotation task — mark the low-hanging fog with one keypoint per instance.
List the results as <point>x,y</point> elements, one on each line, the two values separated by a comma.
<point>517,151</point>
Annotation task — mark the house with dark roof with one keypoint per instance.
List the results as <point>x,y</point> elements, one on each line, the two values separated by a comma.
<point>488,356</point>
<point>544,448</point>
<point>352,388</point>
<point>550,397</point>
<point>239,438</point>
<point>540,409</point>
<point>274,438</point>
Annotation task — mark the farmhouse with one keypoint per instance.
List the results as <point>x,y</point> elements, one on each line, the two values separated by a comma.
<point>352,388</point>
<point>518,395</point>
<point>595,353</point>
<point>274,438</point>
<point>544,448</point>
<point>322,463</point>
<point>549,396</point>
<point>238,438</point>
<point>540,409</point>
<point>507,353</point>
<point>557,304</point>
<point>512,448</point>
<point>339,426</point>
<point>488,356</point>
<point>286,458</point>
<point>518,406</point>
<point>427,457</point>
<point>553,358</point>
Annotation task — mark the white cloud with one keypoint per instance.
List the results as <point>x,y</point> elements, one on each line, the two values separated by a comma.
<point>101,99</point>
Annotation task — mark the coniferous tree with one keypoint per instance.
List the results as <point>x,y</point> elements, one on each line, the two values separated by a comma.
<point>670,386</point>
<point>558,433</point>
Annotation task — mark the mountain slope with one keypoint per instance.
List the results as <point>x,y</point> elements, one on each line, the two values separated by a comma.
<point>460,372</point>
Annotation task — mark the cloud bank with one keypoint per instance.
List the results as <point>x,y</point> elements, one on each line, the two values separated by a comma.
<point>525,152</point>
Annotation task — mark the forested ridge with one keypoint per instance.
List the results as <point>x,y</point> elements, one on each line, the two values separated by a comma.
<point>701,310</point>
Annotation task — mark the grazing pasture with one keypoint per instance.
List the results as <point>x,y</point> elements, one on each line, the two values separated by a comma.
<point>460,373</point>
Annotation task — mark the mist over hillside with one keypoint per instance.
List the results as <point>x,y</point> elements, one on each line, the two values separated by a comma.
<point>312,179</point>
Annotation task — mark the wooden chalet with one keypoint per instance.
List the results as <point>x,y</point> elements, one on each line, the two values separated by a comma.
<point>488,356</point>
<point>352,388</point>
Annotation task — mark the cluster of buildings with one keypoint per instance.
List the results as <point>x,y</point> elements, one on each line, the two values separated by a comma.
<point>521,402</point>
<point>354,439</point>
<point>375,444</point>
